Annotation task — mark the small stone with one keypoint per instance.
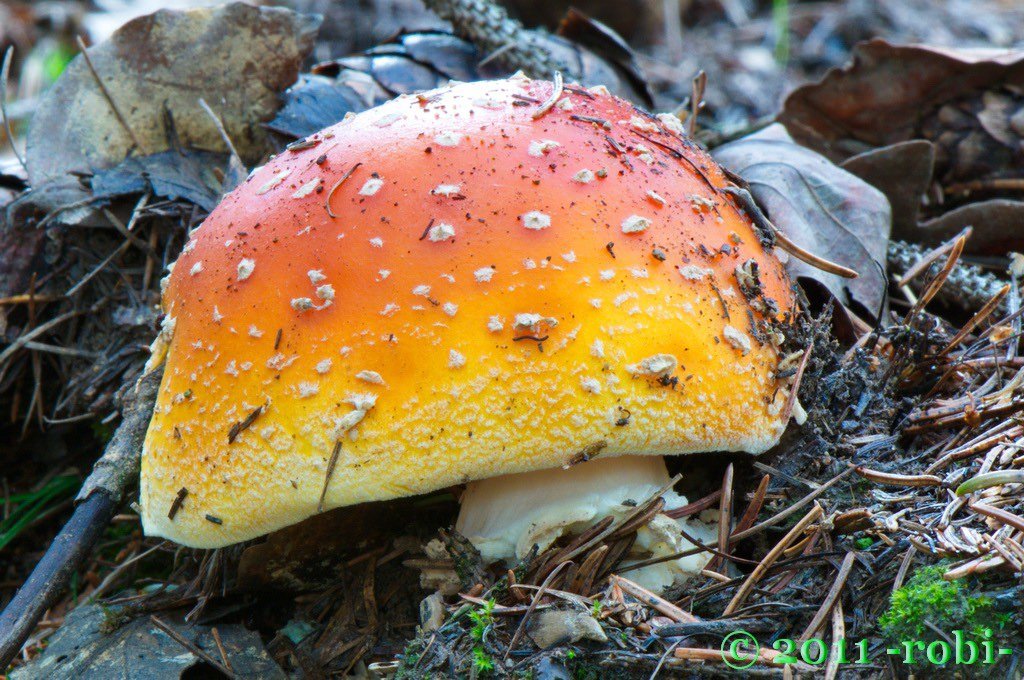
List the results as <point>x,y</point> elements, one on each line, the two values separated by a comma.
<point>564,627</point>
<point>432,612</point>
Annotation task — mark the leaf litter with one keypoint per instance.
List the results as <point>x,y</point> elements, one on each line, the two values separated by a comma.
<point>828,524</point>
<point>891,100</point>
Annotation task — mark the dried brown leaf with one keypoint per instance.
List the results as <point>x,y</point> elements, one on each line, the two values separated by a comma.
<point>998,227</point>
<point>967,104</point>
<point>309,554</point>
<point>236,57</point>
<point>884,93</point>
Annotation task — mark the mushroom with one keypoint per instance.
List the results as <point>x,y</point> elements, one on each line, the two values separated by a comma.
<point>488,284</point>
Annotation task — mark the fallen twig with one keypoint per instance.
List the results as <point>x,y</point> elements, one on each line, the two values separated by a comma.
<point>191,646</point>
<point>748,585</point>
<point>831,599</point>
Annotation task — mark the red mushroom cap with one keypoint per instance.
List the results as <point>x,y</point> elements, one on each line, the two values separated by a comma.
<point>451,286</point>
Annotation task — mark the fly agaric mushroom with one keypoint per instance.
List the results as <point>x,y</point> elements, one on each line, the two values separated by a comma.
<point>486,284</point>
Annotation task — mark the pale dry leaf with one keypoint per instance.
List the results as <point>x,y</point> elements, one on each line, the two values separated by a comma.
<point>901,171</point>
<point>821,207</point>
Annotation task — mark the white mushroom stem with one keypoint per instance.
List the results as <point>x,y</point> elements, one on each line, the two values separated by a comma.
<point>504,517</point>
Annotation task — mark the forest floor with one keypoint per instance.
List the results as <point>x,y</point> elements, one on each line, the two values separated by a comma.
<point>895,512</point>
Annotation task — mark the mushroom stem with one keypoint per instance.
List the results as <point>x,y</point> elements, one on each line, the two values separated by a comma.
<point>504,517</point>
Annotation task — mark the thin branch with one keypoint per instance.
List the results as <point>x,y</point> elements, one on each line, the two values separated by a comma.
<point>191,646</point>
<point>110,100</point>
<point>98,500</point>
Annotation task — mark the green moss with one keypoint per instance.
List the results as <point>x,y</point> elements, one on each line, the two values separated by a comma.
<point>482,618</point>
<point>581,669</point>
<point>482,661</point>
<point>864,543</point>
<point>25,508</point>
<point>103,432</point>
<point>409,658</point>
<point>927,598</point>
<point>57,59</point>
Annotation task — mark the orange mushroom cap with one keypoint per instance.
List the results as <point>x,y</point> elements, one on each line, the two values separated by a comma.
<point>453,286</point>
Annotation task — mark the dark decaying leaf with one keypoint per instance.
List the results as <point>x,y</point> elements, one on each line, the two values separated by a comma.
<point>425,60</point>
<point>439,51</point>
<point>316,101</point>
<point>901,171</point>
<point>237,57</point>
<point>311,553</point>
<point>410,62</point>
<point>305,555</point>
<point>823,208</point>
<point>584,50</point>
<point>639,21</point>
<point>978,135</point>
<point>887,91</point>
<point>23,246</point>
<point>606,59</point>
<point>84,648</point>
<point>192,176</point>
